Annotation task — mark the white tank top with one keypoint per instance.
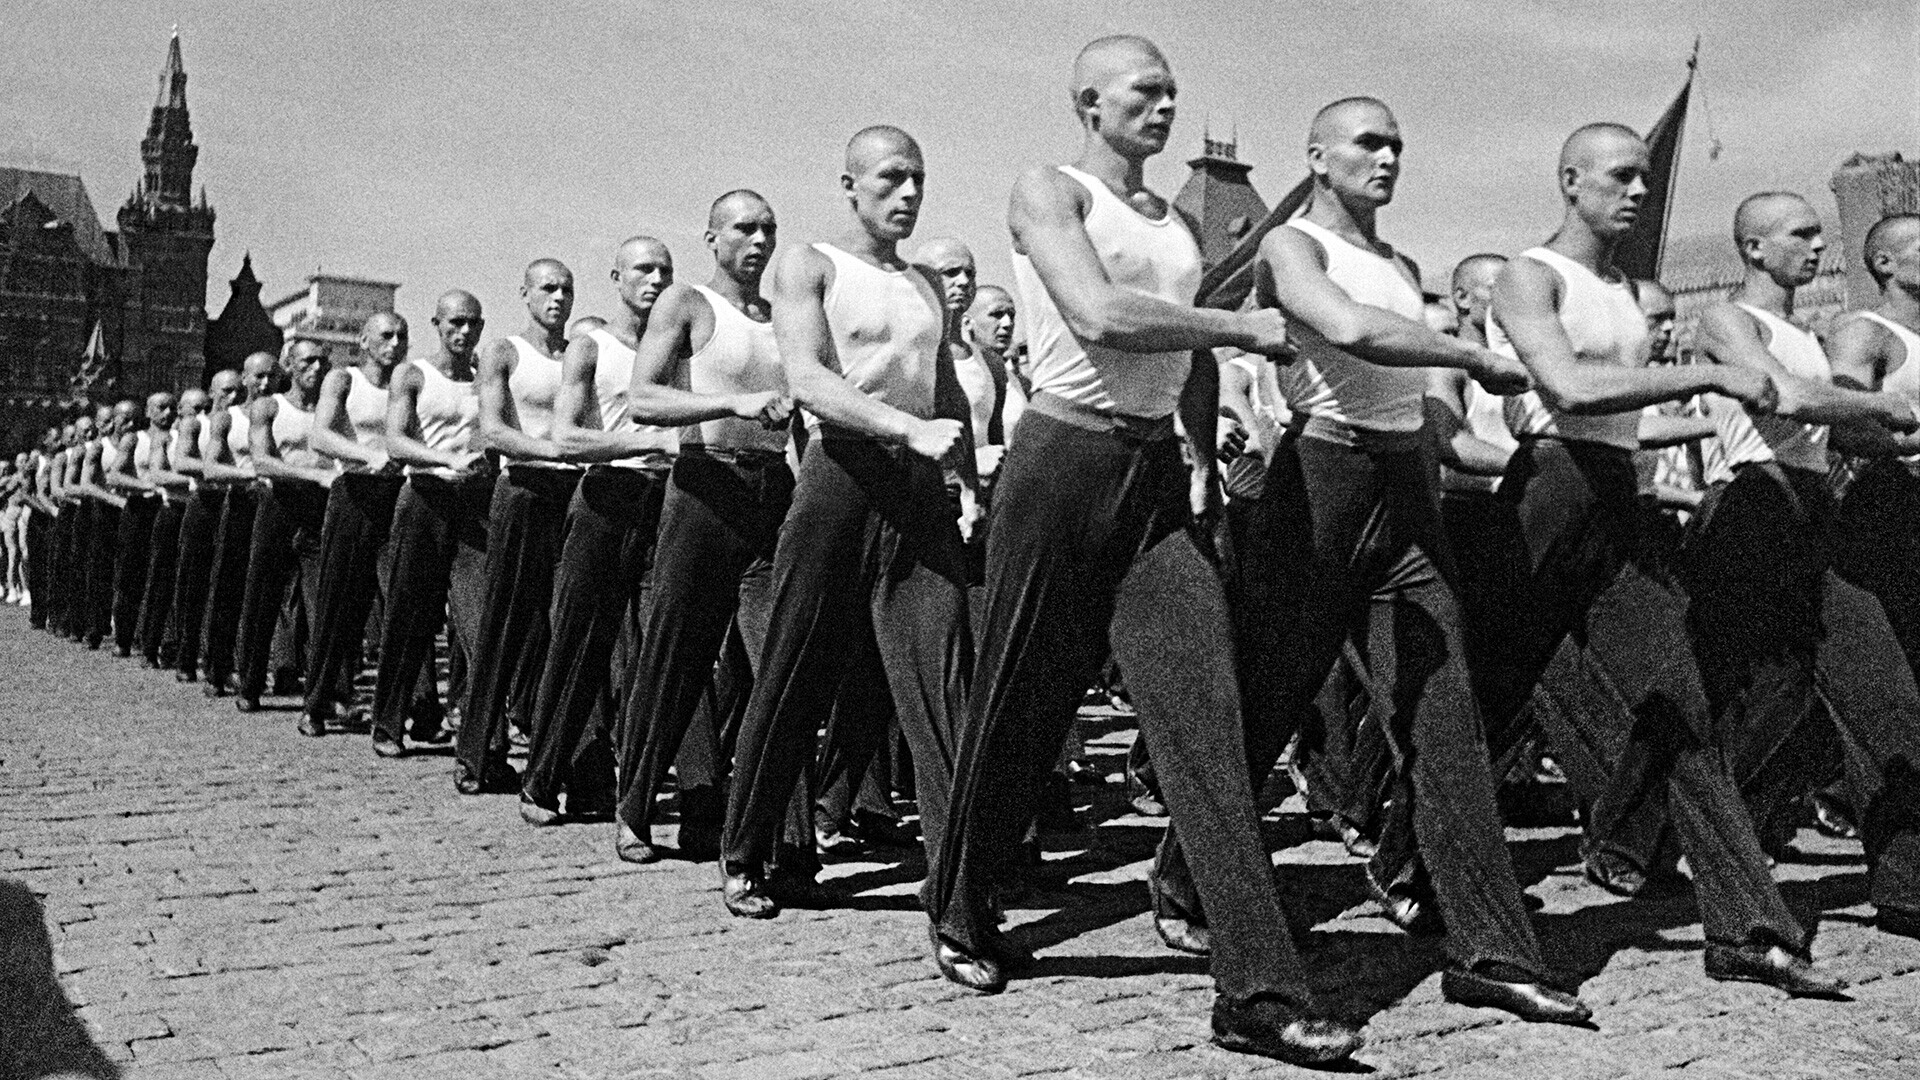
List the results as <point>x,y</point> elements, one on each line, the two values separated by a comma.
<point>1155,257</point>
<point>203,437</point>
<point>1747,438</point>
<point>1339,392</point>
<point>1605,326</point>
<point>612,382</point>
<point>366,409</point>
<point>293,433</point>
<point>239,428</point>
<point>174,439</point>
<point>109,455</point>
<point>448,411</point>
<point>1905,379</point>
<point>1486,421</point>
<point>740,358</point>
<point>142,449</point>
<point>885,332</point>
<point>532,388</point>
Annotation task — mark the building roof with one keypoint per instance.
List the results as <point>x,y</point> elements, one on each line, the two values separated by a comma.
<point>66,196</point>
<point>1219,200</point>
<point>1701,261</point>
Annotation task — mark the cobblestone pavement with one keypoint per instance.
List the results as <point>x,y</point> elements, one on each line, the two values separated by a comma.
<point>225,898</point>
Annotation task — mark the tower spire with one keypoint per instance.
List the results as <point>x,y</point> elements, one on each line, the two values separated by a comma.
<point>168,152</point>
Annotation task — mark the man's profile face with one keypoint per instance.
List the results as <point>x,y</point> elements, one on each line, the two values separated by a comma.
<point>990,322</point>
<point>549,293</point>
<point>160,410</point>
<point>257,375</point>
<point>1609,189</point>
<point>744,242</point>
<point>1905,260</point>
<point>886,196</point>
<point>224,390</point>
<point>1790,250</point>
<point>1135,108</point>
<point>385,340</point>
<point>956,273</point>
<point>1362,156</point>
<point>642,275</point>
<point>1657,306</point>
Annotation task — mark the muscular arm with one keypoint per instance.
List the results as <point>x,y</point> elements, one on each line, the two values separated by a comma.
<point>187,463</point>
<point>92,479</point>
<point>403,426</point>
<point>1861,352</point>
<point>1658,432</point>
<point>265,449</point>
<point>1729,335</point>
<point>1454,443</point>
<point>680,324</point>
<point>125,476</point>
<point>332,435</point>
<point>1047,216</point>
<point>576,410</point>
<point>1526,303</point>
<point>496,433</point>
<point>222,465</point>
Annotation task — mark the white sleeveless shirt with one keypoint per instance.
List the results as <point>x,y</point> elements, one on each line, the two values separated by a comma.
<point>741,357</point>
<point>142,449</point>
<point>1747,438</point>
<point>1905,379</point>
<point>293,433</point>
<point>239,430</point>
<point>366,409</point>
<point>203,437</point>
<point>612,382</point>
<point>1604,323</point>
<point>1340,393</point>
<point>1486,421</point>
<point>885,331</point>
<point>448,411</point>
<point>532,389</point>
<point>1157,257</point>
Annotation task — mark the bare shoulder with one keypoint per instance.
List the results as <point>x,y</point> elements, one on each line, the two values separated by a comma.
<point>264,409</point>
<point>498,357</point>
<point>801,270</point>
<point>1524,279</point>
<point>1045,194</point>
<point>1292,248</point>
<point>336,384</point>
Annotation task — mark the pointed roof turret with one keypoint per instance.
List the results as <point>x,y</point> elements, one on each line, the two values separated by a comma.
<point>1218,199</point>
<point>173,78</point>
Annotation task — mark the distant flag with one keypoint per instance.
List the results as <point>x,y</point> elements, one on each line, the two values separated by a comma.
<point>1227,285</point>
<point>1638,256</point>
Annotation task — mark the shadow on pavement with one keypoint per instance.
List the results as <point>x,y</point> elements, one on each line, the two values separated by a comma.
<point>39,1034</point>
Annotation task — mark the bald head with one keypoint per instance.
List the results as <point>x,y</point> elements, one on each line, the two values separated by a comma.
<point>1471,289</point>
<point>455,302</point>
<point>541,269</point>
<point>1109,59</point>
<point>1654,299</point>
<point>990,319</point>
<point>1592,143</point>
<point>1890,239</point>
<point>642,270</point>
<point>637,249</point>
<point>952,264</point>
<point>548,288</point>
<point>1759,215</point>
<point>872,145</point>
<point>195,402</point>
<point>729,207</point>
<point>383,338</point>
<point>257,365</point>
<point>1337,120</point>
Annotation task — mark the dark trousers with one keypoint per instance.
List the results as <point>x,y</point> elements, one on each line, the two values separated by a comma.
<point>359,518</point>
<point>869,549</point>
<point>524,522</point>
<point>706,753</point>
<point>1372,580</point>
<point>1804,675</point>
<point>64,574</point>
<point>1878,546</point>
<point>288,518</point>
<point>130,556</point>
<point>1608,649</point>
<point>713,565</point>
<point>40,532</point>
<point>193,572</point>
<point>103,542</point>
<point>606,553</point>
<point>73,605</point>
<point>156,599</point>
<point>227,592</point>
<point>1090,553</point>
<point>436,576</point>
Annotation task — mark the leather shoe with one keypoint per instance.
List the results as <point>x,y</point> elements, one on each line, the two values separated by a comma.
<point>311,726</point>
<point>1774,966</point>
<point>430,735</point>
<point>387,747</point>
<point>628,845</point>
<point>1081,771</point>
<point>980,973</point>
<point>533,813</point>
<point>246,704</point>
<point>745,895</point>
<point>1533,1002</point>
<point>1272,1028</point>
<point>1614,873</point>
<point>500,779</point>
<point>1832,817</point>
<point>1898,920</point>
<point>1179,930</point>
<point>1408,906</point>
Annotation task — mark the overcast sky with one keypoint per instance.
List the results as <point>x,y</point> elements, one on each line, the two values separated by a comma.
<point>444,144</point>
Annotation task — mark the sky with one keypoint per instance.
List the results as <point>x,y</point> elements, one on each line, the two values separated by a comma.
<point>444,144</point>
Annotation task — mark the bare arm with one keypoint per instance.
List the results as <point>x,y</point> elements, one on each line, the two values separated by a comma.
<point>1526,303</point>
<point>576,410</point>
<point>403,427</point>
<point>1861,352</point>
<point>1729,335</point>
<point>187,462</point>
<point>125,475</point>
<point>496,433</point>
<point>332,435</point>
<point>1047,216</point>
<point>265,449</point>
<point>950,403</point>
<point>1659,431</point>
<point>93,480</point>
<point>655,397</point>
<point>222,465</point>
<point>1454,443</point>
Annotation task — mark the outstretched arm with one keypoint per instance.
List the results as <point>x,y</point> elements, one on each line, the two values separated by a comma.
<point>1729,335</point>
<point>576,410</point>
<point>1453,442</point>
<point>1861,352</point>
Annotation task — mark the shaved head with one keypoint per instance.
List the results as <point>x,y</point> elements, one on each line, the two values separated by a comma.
<point>1760,214</point>
<point>637,249</point>
<point>945,249</point>
<point>378,323</point>
<point>1109,58</point>
<point>734,203</point>
<point>195,401</point>
<point>261,363</point>
<point>1654,298</point>
<point>1334,120</point>
<point>1477,270</point>
<point>872,145</point>
<point>539,269</point>
<point>225,378</point>
<point>1885,241</point>
<point>157,399</point>
<point>455,302</point>
<point>1587,144</point>
<point>952,264</point>
<point>987,294</point>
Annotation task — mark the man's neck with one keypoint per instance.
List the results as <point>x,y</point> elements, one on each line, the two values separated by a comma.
<point>1098,159</point>
<point>377,373</point>
<point>629,326</point>
<point>1350,222</point>
<point>1760,290</point>
<point>305,398</point>
<point>455,366</point>
<point>860,243</point>
<point>548,339</point>
<point>741,294</point>
<point>1581,244</point>
<point>1901,306</point>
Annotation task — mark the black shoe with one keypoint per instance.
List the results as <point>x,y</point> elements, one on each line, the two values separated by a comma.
<point>500,779</point>
<point>536,815</point>
<point>1614,873</point>
<point>1408,905</point>
<point>980,973</point>
<point>434,735</point>
<point>1081,771</point>
<point>311,726</point>
<point>1146,802</point>
<point>1833,817</point>
<point>829,839</point>
<point>287,684</point>
<point>630,848</point>
<point>704,803</point>
<point>387,746</point>
<point>1272,1028</point>
<point>1533,1002</point>
<point>217,688</point>
<point>1178,930</point>
<point>745,895</point>
<point>1056,812</point>
<point>246,704</point>
<point>1904,922</point>
<point>1774,966</point>
<point>879,830</point>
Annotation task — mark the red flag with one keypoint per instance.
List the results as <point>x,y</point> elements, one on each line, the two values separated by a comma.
<point>1227,284</point>
<point>1638,255</point>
